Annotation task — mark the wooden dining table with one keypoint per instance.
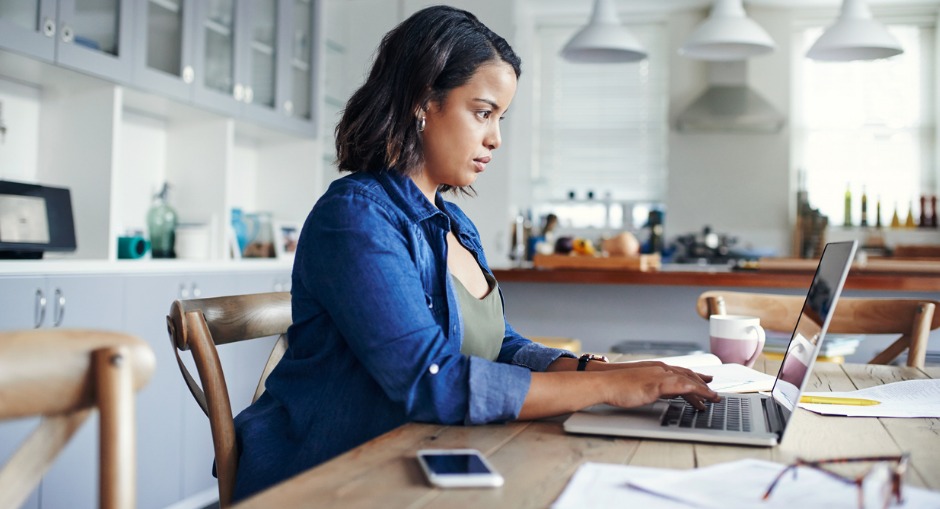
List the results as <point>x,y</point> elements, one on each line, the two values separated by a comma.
<point>537,458</point>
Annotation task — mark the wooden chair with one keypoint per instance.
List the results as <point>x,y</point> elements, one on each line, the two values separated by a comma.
<point>61,375</point>
<point>913,319</point>
<point>200,325</point>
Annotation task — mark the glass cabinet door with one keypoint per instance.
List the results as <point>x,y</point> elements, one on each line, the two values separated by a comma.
<point>262,56</point>
<point>164,47</point>
<point>94,36</point>
<point>28,26</point>
<point>299,103</point>
<point>216,64</point>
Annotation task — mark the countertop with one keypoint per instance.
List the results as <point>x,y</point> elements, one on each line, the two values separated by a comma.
<point>719,276</point>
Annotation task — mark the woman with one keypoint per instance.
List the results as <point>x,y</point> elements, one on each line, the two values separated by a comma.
<point>396,316</point>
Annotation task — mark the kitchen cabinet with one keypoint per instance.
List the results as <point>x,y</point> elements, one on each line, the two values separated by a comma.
<point>89,36</point>
<point>254,60</point>
<point>174,443</point>
<point>73,302</point>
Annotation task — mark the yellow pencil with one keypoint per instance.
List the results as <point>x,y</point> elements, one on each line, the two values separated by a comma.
<point>826,400</point>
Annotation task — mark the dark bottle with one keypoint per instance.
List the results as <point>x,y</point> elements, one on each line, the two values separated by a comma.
<point>924,221</point>
<point>933,208</point>
<point>864,218</point>
<point>878,212</point>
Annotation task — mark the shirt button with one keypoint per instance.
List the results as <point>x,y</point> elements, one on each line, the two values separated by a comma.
<point>434,368</point>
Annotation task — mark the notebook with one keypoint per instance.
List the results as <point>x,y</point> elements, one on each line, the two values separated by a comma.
<point>749,419</point>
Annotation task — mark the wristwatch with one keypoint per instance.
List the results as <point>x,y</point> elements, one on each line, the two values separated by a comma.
<point>584,359</point>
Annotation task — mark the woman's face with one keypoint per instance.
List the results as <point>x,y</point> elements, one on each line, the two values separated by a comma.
<point>462,132</point>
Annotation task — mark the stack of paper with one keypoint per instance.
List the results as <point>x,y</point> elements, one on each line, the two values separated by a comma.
<point>911,398</point>
<point>738,484</point>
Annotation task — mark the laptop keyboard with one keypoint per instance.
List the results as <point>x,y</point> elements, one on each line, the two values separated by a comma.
<point>731,413</point>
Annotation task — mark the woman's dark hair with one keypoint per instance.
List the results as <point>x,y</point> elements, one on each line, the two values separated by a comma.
<point>429,54</point>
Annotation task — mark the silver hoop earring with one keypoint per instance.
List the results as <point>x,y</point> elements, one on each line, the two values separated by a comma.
<point>422,123</point>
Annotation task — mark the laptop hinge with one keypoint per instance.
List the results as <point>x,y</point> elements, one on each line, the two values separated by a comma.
<point>772,416</point>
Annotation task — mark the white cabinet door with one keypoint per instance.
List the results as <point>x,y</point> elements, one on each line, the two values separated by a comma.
<point>174,443</point>
<point>94,302</point>
<point>159,415</point>
<point>20,309</point>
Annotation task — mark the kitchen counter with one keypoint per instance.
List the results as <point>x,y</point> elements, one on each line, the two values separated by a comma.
<point>903,279</point>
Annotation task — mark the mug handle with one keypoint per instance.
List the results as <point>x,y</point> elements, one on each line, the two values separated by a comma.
<point>761,338</point>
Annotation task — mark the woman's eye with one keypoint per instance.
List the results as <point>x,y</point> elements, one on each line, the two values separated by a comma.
<point>484,114</point>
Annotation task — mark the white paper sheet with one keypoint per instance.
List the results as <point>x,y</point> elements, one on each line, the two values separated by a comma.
<point>911,398</point>
<point>602,485</point>
<point>736,378</point>
<point>727,377</point>
<point>741,485</point>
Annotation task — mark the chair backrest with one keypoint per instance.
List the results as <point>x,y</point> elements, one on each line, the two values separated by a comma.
<point>61,374</point>
<point>913,319</point>
<point>199,325</point>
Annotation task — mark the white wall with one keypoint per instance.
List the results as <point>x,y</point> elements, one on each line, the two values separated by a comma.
<point>19,150</point>
<point>736,183</point>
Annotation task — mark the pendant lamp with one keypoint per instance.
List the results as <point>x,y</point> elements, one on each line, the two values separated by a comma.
<point>604,40</point>
<point>728,34</point>
<point>855,36</point>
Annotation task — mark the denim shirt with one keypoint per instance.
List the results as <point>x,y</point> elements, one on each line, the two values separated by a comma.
<point>376,334</point>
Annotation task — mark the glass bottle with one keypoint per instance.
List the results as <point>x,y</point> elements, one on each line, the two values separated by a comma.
<point>848,206</point>
<point>161,222</point>
<point>878,212</point>
<point>924,220</point>
<point>909,222</point>
<point>863,221</point>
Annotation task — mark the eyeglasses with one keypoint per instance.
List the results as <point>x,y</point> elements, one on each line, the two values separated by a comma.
<point>876,487</point>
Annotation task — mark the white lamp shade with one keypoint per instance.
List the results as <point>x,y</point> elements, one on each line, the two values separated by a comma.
<point>855,36</point>
<point>604,39</point>
<point>728,34</point>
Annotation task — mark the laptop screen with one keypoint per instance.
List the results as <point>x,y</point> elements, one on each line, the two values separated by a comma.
<point>810,328</point>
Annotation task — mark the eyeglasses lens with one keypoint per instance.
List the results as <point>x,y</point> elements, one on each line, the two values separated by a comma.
<point>876,487</point>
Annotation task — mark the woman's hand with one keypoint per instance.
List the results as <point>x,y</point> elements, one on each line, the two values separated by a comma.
<point>644,385</point>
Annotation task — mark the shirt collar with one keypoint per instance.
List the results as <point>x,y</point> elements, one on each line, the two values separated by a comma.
<point>406,195</point>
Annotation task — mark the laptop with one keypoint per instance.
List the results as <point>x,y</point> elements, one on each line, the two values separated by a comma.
<point>747,419</point>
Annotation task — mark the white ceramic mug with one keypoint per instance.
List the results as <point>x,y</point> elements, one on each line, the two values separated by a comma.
<point>736,338</point>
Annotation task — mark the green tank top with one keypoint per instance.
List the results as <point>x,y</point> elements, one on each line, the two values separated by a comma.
<point>483,323</point>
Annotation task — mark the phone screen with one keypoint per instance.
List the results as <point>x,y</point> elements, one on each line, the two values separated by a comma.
<point>455,464</point>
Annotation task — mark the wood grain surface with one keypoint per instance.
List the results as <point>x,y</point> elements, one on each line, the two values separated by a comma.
<point>538,458</point>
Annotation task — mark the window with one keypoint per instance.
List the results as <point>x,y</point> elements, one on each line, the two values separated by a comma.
<point>868,125</point>
<point>602,127</point>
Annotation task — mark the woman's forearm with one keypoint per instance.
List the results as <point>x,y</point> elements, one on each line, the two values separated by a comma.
<point>559,392</point>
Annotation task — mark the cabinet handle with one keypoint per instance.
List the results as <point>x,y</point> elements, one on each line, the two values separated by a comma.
<point>48,27</point>
<point>196,291</point>
<point>249,95</point>
<point>188,74</point>
<point>39,313</point>
<point>67,34</point>
<point>184,292</point>
<point>59,308</point>
<point>238,92</point>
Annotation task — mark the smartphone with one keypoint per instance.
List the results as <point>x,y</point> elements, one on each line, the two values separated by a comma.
<point>458,468</point>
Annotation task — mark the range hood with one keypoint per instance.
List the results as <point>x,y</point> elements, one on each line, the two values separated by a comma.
<point>729,105</point>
